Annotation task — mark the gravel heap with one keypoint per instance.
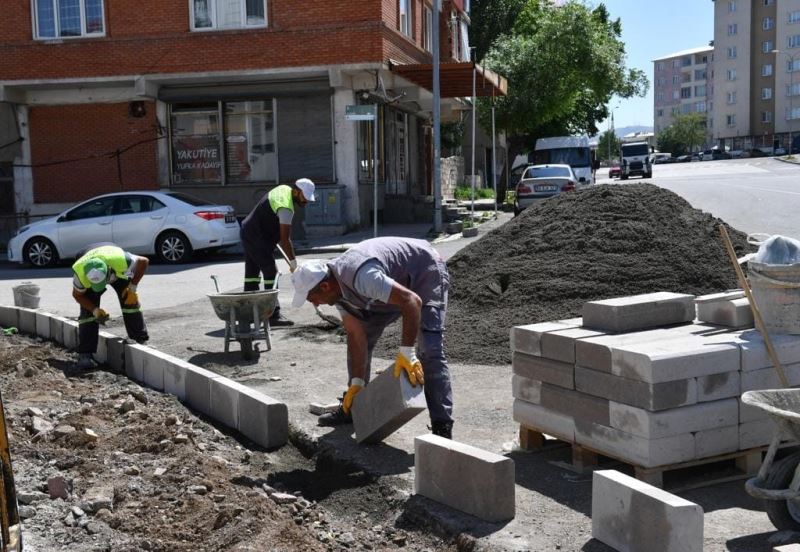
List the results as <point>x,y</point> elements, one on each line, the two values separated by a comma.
<point>608,241</point>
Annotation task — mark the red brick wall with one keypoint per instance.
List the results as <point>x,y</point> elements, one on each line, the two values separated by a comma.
<point>78,131</point>
<point>152,36</point>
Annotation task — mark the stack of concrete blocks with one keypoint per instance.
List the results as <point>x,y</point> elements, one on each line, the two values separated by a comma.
<point>258,417</point>
<point>666,391</point>
<point>385,405</point>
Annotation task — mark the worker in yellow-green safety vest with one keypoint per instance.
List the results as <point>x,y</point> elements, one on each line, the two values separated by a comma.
<point>96,269</point>
<point>268,224</point>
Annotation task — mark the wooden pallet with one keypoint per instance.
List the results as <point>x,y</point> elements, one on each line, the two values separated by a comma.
<point>585,459</point>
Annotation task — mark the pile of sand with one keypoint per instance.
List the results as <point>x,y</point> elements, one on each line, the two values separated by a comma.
<point>608,241</point>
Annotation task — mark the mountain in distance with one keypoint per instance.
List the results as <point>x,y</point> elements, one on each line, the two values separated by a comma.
<point>622,131</point>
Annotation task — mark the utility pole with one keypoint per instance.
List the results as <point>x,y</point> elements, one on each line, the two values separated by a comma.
<point>437,124</point>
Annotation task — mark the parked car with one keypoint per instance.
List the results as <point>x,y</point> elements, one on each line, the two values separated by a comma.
<point>717,154</point>
<point>614,171</point>
<point>683,159</point>
<point>660,157</point>
<point>170,225</point>
<point>539,182</point>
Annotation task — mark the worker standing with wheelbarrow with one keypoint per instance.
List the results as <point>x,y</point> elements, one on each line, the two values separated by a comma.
<point>95,270</point>
<point>268,224</point>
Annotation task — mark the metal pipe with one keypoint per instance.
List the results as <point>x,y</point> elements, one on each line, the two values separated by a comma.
<point>494,161</point>
<point>437,130</point>
<point>375,169</point>
<point>472,177</point>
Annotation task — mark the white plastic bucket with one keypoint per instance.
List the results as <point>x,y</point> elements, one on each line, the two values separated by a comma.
<point>26,295</point>
<point>776,289</point>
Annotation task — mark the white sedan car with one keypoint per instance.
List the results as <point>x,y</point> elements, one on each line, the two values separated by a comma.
<point>539,182</point>
<point>170,225</point>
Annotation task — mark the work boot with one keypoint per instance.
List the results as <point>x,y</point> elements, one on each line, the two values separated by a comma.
<point>277,319</point>
<point>442,428</point>
<point>335,418</point>
<point>141,339</point>
<point>85,361</point>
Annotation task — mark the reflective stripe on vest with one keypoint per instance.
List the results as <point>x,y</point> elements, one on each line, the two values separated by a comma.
<point>280,197</point>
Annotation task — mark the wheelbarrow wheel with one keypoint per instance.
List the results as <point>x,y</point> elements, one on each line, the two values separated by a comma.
<point>247,348</point>
<point>784,514</point>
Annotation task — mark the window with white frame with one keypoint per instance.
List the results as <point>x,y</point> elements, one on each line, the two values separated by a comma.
<point>731,97</point>
<point>700,107</point>
<point>793,65</point>
<point>700,74</point>
<point>687,77</point>
<point>793,113</point>
<point>660,66</point>
<point>766,116</point>
<point>660,112</point>
<point>768,23</point>
<point>766,93</point>
<point>766,70</point>
<point>68,18</point>
<point>794,17</point>
<point>767,46</point>
<point>686,62</point>
<point>733,29</point>
<point>428,38</point>
<point>793,89</point>
<point>676,111</point>
<point>731,74</point>
<point>676,79</point>
<point>686,92</point>
<point>700,91</point>
<point>228,14</point>
<point>731,52</point>
<point>676,63</point>
<point>730,120</point>
<point>731,6</point>
<point>404,17</point>
<point>676,94</point>
<point>660,96</point>
<point>794,41</point>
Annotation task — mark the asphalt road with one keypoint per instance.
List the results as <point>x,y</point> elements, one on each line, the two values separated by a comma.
<point>753,195</point>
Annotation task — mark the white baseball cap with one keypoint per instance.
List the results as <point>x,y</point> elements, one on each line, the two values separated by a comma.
<point>307,187</point>
<point>305,278</point>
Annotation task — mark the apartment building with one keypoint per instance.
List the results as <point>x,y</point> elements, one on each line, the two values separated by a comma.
<point>756,91</point>
<point>683,84</point>
<point>224,99</point>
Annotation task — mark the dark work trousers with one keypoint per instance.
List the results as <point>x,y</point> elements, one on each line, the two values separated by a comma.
<point>258,261</point>
<point>88,327</point>
<point>430,348</point>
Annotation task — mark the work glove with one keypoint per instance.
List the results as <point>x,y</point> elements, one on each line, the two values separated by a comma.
<point>100,315</point>
<point>129,296</point>
<point>356,384</point>
<point>292,265</point>
<point>407,360</point>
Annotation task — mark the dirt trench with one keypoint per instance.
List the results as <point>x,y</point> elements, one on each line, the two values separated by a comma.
<point>103,464</point>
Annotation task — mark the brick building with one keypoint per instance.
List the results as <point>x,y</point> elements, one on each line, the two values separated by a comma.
<point>221,99</point>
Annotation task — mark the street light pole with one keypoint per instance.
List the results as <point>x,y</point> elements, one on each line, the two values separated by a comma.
<point>789,119</point>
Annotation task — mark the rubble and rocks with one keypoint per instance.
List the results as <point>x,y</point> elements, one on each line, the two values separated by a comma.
<point>158,478</point>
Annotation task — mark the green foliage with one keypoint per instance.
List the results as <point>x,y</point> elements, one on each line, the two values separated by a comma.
<point>686,134</point>
<point>563,64</point>
<point>452,137</point>
<point>608,146</point>
<point>491,19</point>
<point>464,193</point>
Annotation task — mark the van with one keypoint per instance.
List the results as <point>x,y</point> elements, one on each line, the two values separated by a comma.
<point>568,150</point>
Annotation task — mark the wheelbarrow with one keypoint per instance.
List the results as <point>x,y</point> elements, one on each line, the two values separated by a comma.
<point>778,483</point>
<point>246,316</point>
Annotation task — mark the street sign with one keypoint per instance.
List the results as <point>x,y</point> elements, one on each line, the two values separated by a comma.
<point>360,112</point>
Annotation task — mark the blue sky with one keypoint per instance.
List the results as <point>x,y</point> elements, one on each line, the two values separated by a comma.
<point>652,29</point>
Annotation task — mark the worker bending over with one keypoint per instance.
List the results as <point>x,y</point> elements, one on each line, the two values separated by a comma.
<point>373,284</point>
<point>95,270</point>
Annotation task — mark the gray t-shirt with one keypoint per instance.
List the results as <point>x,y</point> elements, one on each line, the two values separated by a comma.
<point>285,216</point>
<point>373,282</point>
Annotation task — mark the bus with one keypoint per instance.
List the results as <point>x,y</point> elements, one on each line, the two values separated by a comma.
<point>568,150</point>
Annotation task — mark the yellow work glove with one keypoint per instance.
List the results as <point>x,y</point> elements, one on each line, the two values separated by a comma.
<point>129,296</point>
<point>100,315</point>
<point>407,360</point>
<point>356,384</point>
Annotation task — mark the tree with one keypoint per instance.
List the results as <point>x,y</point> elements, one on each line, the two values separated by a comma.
<point>563,64</point>
<point>491,19</point>
<point>608,146</point>
<point>686,134</point>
